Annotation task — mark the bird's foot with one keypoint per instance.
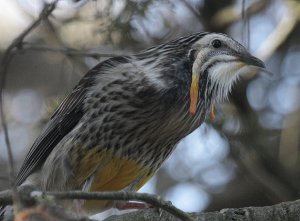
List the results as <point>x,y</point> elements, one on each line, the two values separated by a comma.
<point>132,205</point>
<point>78,206</point>
<point>136,205</point>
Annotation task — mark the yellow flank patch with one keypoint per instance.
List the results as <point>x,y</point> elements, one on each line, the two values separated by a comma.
<point>117,174</point>
<point>194,90</point>
<point>113,174</point>
<point>212,112</point>
<point>88,164</point>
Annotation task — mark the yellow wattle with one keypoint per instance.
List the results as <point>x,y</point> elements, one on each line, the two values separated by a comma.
<point>212,112</point>
<point>194,91</point>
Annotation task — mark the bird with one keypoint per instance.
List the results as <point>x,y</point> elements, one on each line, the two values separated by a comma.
<point>127,114</point>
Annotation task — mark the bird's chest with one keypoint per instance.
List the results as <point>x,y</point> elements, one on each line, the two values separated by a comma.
<point>150,142</point>
<point>145,127</point>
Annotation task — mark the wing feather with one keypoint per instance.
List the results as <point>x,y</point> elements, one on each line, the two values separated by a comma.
<point>60,124</point>
<point>63,120</point>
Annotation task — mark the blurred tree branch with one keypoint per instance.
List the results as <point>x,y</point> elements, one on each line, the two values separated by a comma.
<point>249,161</point>
<point>69,51</point>
<point>230,14</point>
<point>282,31</point>
<point>196,14</point>
<point>283,211</point>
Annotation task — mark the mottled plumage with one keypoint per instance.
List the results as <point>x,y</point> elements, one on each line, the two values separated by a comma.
<point>125,117</point>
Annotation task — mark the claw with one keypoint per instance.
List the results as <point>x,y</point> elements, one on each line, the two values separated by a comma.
<point>132,205</point>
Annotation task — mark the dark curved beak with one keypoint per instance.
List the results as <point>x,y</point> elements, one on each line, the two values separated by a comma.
<point>251,60</point>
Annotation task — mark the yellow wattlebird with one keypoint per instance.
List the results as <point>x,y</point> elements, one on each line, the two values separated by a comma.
<point>126,115</point>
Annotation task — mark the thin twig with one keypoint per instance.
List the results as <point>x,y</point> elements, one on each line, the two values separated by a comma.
<point>246,25</point>
<point>57,40</point>
<point>250,163</point>
<point>229,14</point>
<point>7,57</point>
<point>68,51</point>
<point>3,69</point>
<point>196,13</point>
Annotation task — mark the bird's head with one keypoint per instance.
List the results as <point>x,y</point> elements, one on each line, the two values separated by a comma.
<point>217,62</point>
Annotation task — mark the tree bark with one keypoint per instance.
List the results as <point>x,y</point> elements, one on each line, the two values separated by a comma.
<point>279,212</point>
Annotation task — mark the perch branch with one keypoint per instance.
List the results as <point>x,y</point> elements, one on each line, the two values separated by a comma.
<point>26,194</point>
<point>282,211</point>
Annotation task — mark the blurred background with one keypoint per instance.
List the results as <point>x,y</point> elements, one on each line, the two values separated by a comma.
<point>248,156</point>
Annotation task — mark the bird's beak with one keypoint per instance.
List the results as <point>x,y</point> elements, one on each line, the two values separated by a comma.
<point>254,65</point>
<point>251,60</point>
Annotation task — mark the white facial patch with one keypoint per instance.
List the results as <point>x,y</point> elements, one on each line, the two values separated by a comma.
<point>222,64</point>
<point>224,74</point>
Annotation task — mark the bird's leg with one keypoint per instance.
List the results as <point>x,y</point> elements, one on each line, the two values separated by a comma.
<point>132,205</point>
<point>78,206</point>
<point>135,205</point>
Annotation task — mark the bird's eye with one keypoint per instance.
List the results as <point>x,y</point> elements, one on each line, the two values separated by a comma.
<point>216,43</point>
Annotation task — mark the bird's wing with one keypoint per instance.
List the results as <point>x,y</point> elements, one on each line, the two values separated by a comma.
<point>61,123</point>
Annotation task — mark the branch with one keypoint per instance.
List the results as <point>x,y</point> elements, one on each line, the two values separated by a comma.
<point>283,211</point>
<point>68,51</point>
<point>195,13</point>
<point>125,196</point>
<point>26,194</point>
<point>17,43</point>
<point>248,160</point>
<point>230,14</point>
